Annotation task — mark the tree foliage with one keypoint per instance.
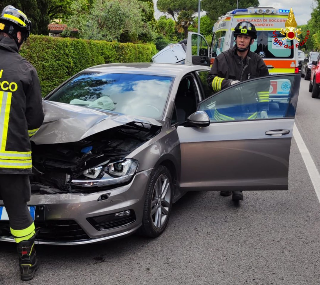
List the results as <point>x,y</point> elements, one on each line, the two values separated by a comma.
<point>112,20</point>
<point>181,11</point>
<point>41,12</point>
<point>217,8</point>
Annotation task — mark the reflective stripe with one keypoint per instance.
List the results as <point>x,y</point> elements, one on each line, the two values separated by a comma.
<point>264,29</point>
<point>15,19</point>
<point>220,117</point>
<point>21,235</point>
<point>263,96</point>
<point>260,16</point>
<point>10,159</point>
<point>253,116</point>
<point>15,155</point>
<point>281,70</point>
<point>10,163</point>
<point>32,132</point>
<point>216,83</point>
<point>5,100</point>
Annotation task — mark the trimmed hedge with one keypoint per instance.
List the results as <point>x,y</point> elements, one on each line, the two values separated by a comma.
<point>57,59</point>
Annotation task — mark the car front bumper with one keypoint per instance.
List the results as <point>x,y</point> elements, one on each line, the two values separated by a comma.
<point>79,218</point>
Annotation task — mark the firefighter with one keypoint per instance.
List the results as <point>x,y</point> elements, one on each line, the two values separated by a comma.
<point>239,64</point>
<point>21,114</point>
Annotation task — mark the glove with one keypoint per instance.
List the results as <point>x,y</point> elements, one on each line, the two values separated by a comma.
<point>234,82</point>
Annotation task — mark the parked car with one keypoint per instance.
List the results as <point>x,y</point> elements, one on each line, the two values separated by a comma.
<point>315,78</point>
<point>122,142</point>
<point>307,65</point>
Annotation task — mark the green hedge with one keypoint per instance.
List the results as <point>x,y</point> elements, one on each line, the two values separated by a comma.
<point>56,59</point>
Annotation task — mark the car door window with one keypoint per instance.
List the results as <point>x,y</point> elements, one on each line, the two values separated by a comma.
<point>262,98</point>
<point>207,90</point>
<point>186,100</point>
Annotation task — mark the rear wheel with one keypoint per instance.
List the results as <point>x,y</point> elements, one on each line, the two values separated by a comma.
<point>315,90</point>
<point>310,86</point>
<point>158,203</point>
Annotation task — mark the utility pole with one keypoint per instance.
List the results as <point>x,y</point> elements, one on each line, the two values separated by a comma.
<point>199,16</point>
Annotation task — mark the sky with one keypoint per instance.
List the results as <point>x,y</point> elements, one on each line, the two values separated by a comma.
<point>301,8</point>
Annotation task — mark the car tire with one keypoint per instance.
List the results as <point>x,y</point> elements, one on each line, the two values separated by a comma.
<point>158,203</point>
<point>315,90</point>
<point>310,86</point>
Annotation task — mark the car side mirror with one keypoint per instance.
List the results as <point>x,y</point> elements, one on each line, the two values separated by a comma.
<point>314,62</point>
<point>198,119</point>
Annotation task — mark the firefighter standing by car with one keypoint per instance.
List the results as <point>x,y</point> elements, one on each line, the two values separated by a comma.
<point>21,115</point>
<point>235,65</point>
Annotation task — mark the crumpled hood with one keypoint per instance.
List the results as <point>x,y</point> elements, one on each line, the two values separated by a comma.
<point>65,123</point>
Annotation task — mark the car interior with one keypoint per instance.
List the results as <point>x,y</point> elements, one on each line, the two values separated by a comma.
<point>185,102</point>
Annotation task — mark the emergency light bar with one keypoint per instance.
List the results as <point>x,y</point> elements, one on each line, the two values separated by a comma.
<point>239,10</point>
<point>283,11</point>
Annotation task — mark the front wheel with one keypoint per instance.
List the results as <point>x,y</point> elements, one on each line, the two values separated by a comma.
<point>158,203</point>
<point>315,90</point>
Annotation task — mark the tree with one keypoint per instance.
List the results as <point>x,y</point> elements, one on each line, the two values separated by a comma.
<point>206,25</point>
<point>40,12</point>
<point>215,9</point>
<point>112,20</point>
<point>181,11</point>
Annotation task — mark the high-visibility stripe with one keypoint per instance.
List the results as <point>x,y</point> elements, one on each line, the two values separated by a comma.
<point>281,70</point>
<point>10,159</point>
<point>264,29</point>
<point>32,132</point>
<point>21,235</point>
<point>222,30</point>
<point>217,83</point>
<point>5,101</point>
<point>19,164</point>
<point>23,14</point>
<point>15,155</point>
<point>15,19</point>
<point>253,116</point>
<point>262,16</point>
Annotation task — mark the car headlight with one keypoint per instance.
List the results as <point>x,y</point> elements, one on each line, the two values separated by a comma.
<point>113,173</point>
<point>309,65</point>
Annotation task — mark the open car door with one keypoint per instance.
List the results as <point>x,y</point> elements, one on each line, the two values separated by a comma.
<point>247,144</point>
<point>197,50</point>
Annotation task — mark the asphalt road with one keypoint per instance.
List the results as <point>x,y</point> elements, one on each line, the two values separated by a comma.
<point>272,237</point>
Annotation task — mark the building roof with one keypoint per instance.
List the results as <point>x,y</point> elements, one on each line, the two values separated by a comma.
<point>58,28</point>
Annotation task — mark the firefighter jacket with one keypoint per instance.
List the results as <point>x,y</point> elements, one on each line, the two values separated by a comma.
<point>21,112</point>
<point>228,66</point>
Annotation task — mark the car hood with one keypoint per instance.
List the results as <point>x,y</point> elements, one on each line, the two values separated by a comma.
<point>64,123</point>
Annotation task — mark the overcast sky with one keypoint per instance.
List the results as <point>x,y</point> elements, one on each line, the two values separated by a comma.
<point>301,8</point>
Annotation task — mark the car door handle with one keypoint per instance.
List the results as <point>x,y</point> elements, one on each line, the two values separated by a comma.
<point>277,133</point>
<point>270,66</point>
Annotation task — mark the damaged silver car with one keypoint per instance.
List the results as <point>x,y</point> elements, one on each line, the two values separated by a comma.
<point>122,142</point>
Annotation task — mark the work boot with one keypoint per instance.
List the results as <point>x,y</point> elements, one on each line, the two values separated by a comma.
<point>237,195</point>
<point>225,193</point>
<point>27,259</point>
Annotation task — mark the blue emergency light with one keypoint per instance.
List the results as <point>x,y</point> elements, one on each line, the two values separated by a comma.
<point>239,10</point>
<point>283,11</point>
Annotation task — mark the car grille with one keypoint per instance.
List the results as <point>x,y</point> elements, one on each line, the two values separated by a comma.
<point>60,230</point>
<point>111,221</point>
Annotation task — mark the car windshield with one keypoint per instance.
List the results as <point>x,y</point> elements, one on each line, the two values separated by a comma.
<point>129,94</point>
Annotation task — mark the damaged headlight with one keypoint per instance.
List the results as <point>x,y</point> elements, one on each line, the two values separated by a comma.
<point>113,173</point>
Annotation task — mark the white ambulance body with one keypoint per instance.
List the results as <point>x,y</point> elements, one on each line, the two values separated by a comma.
<point>268,22</point>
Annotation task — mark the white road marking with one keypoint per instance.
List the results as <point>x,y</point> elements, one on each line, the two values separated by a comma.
<point>308,161</point>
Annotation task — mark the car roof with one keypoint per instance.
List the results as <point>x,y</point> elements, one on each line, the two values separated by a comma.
<point>164,69</point>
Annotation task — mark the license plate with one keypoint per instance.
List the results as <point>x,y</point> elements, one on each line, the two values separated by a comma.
<point>34,211</point>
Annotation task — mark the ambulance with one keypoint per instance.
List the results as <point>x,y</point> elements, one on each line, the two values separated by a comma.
<point>279,52</point>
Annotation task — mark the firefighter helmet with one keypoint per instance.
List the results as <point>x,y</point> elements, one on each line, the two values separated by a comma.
<point>14,20</point>
<point>245,28</point>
